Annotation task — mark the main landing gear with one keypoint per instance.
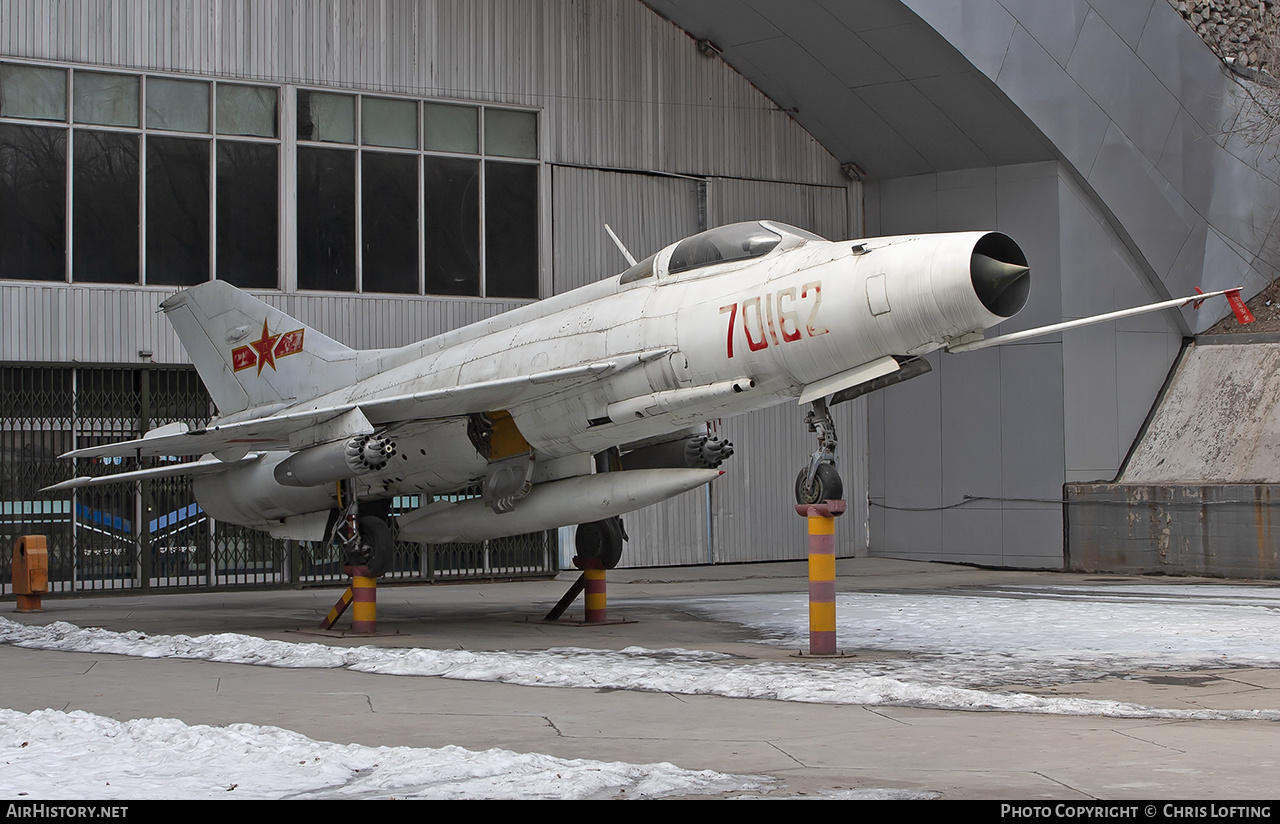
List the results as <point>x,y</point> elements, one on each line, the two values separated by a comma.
<point>365,540</point>
<point>601,541</point>
<point>820,480</point>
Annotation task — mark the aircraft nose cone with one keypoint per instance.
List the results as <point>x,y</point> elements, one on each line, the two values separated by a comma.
<point>1002,287</point>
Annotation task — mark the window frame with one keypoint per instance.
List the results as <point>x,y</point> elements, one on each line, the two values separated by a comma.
<point>287,144</point>
<point>70,126</point>
<point>359,147</point>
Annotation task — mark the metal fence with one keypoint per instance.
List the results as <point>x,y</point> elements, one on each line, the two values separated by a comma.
<point>152,534</point>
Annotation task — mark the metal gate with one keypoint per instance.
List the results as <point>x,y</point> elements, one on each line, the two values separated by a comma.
<point>152,534</point>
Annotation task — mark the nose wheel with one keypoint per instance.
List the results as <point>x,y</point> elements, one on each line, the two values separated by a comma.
<point>824,486</point>
<point>820,480</point>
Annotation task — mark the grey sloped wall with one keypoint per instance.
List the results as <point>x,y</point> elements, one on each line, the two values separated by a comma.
<point>1141,113</point>
<point>968,462</point>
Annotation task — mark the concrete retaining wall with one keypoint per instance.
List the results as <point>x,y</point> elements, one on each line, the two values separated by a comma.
<point>1217,530</point>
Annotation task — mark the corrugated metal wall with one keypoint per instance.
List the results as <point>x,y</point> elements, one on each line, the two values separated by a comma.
<point>96,324</point>
<point>754,517</point>
<point>636,129</point>
<point>647,211</point>
<point>820,209</point>
<point>620,87</point>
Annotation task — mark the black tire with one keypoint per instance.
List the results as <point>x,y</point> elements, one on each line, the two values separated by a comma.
<point>827,486</point>
<point>600,541</point>
<point>375,544</point>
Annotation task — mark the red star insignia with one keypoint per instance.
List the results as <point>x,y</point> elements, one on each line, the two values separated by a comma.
<point>263,346</point>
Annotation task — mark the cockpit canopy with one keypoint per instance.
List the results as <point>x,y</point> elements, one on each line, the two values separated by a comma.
<point>737,241</point>
<point>725,244</point>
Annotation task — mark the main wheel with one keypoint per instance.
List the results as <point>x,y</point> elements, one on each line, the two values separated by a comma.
<point>600,541</point>
<point>375,544</point>
<point>827,485</point>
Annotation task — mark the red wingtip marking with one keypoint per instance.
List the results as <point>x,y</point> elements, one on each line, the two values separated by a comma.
<point>1243,315</point>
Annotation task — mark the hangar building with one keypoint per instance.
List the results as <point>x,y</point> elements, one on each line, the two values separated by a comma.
<point>386,171</point>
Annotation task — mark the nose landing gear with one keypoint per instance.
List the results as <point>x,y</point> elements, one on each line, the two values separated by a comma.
<point>820,480</point>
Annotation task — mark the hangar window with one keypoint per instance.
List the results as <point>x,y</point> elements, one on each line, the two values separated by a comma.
<point>247,216</point>
<point>177,105</point>
<point>510,134</point>
<point>177,192</point>
<point>390,123</point>
<point>105,99</point>
<point>416,197</point>
<point>450,128</point>
<point>33,92</point>
<point>104,217</point>
<point>246,110</point>
<point>451,202</point>
<point>33,202</point>
<point>110,177</point>
<point>327,118</point>
<point>130,178</point>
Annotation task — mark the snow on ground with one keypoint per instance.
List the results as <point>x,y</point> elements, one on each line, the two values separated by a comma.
<point>950,650</point>
<point>957,650</point>
<point>1030,636</point>
<point>58,755</point>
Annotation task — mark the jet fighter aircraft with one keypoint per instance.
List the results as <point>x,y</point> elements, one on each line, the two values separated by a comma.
<point>575,409</point>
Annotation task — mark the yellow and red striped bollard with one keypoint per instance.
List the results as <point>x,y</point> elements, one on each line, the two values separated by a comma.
<point>364,605</point>
<point>822,574</point>
<point>595,600</point>
<point>363,593</point>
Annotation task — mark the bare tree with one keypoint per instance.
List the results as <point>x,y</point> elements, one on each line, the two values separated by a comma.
<point>1257,118</point>
<point>1246,35</point>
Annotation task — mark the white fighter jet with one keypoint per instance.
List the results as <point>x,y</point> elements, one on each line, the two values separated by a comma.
<point>575,409</point>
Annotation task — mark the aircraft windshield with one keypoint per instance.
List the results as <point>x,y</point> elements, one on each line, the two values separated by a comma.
<point>640,271</point>
<point>738,241</point>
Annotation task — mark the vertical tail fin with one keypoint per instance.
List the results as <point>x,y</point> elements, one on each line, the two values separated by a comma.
<point>249,353</point>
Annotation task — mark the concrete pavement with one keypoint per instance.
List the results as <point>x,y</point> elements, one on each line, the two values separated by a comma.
<point>807,748</point>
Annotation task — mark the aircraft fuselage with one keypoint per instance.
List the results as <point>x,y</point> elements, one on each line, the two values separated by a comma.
<point>717,339</point>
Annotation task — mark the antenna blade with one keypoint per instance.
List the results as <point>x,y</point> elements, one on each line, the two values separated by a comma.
<point>631,261</point>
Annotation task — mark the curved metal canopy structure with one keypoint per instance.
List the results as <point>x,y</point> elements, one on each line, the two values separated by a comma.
<point>872,81</point>
<point>1124,95</point>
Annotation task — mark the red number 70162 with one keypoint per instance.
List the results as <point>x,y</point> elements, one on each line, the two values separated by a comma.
<point>759,314</point>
